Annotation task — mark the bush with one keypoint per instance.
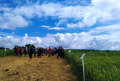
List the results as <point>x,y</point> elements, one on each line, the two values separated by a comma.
<point>4,53</point>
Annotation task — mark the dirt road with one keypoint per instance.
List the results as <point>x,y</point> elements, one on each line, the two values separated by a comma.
<point>13,68</point>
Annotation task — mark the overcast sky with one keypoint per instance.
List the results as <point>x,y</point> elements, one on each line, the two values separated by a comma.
<point>75,24</point>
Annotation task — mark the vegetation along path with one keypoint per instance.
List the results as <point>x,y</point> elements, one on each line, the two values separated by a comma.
<point>13,68</point>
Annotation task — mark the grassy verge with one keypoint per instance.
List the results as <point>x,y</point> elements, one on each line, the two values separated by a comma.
<point>4,53</point>
<point>99,65</point>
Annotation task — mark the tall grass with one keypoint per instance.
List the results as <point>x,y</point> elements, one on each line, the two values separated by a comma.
<point>99,65</point>
<point>4,53</point>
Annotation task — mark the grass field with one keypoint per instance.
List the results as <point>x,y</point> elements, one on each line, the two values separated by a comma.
<point>8,52</point>
<point>99,65</point>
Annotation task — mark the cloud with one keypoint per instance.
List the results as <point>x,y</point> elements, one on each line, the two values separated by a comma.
<point>96,12</point>
<point>107,8</point>
<point>56,28</point>
<point>110,32</point>
<point>3,34</point>
<point>11,41</point>
<point>86,16</point>
<point>52,28</point>
<point>93,39</point>
<point>44,26</point>
<point>74,16</point>
<point>61,21</point>
<point>109,28</point>
<point>10,21</point>
<point>77,25</point>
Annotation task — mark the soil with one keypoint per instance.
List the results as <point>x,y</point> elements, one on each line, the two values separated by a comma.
<point>13,68</point>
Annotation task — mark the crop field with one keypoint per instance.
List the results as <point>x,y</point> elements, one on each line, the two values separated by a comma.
<point>99,65</point>
<point>4,53</point>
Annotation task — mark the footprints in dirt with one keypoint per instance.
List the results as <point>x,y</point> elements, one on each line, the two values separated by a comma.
<point>41,63</point>
<point>6,69</point>
<point>14,73</point>
<point>10,72</point>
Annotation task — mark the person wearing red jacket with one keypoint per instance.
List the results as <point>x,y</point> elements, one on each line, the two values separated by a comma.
<point>49,51</point>
<point>18,51</point>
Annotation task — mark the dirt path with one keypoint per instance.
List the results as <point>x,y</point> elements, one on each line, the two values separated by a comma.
<point>14,68</point>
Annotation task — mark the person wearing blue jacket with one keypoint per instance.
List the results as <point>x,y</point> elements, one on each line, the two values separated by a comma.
<point>35,52</point>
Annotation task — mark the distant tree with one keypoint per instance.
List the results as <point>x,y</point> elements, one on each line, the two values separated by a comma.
<point>15,46</point>
<point>7,48</point>
<point>33,46</point>
<point>29,45</point>
<point>1,47</point>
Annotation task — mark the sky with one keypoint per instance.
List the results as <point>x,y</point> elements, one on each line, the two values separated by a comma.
<point>73,24</point>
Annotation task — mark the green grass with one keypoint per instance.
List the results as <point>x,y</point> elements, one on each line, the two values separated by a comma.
<point>99,65</point>
<point>4,53</point>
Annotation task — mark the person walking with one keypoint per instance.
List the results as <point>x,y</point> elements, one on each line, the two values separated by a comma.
<point>49,51</point>
<point>59,52</point>
<point>31,52</point>
<point>18,51</point>
<point>56,51</point>
<point>62,52</point>
<point>26,51</point>
<point>35,52</point>
<point>21,51</point>
<point>39,52</point>
<point>46,51</point>
<point>53,51</point>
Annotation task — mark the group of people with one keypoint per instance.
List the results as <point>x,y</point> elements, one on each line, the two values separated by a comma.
<point>59,52</point>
